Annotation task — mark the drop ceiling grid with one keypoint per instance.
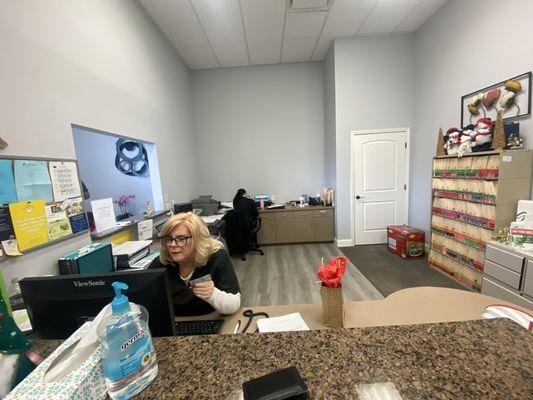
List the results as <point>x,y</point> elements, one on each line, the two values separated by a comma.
<point>224,33</point>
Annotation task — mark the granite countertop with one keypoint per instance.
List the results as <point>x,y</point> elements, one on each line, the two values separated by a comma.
<point>486,359</point>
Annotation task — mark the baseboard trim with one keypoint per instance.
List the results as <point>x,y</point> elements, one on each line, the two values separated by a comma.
<point>343,242</point>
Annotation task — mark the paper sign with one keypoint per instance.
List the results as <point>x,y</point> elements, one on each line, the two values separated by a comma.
<point>22,320</point>
<point>78,223</point>
<point>145,229</point>
<point>64,176</point>
<point>6,226</point>
<point>29,223</point>
<point>32,181</point>
<point>54,213</point>
<point>11,247</point>
<point>58,229</point>
<point>507,158</point>
<point>7,183</point>
<point>104,214</point>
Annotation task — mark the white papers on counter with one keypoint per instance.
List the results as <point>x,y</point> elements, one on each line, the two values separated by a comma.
<point>285,323</point>
<point>209,219</point>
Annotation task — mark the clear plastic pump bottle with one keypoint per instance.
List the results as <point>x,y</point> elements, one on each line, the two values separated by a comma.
<point>129,359</point>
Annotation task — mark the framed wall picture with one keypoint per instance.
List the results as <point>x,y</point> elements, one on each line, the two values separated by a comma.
<point>512,96</point>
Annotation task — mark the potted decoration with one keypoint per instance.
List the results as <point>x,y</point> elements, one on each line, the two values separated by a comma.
<point>122,203</point>
<point>330,275</point>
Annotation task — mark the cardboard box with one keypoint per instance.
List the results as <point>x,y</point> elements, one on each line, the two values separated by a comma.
<point>85,383</point>
<point>405,241</point>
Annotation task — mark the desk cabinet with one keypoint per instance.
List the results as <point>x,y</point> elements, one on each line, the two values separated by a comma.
<point>297,225</point>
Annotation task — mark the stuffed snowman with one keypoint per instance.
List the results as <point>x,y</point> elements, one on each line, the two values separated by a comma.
<point>482,135</point>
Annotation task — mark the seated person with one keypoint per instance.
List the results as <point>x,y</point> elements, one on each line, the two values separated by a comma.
<point>188,253</point>
<point>242,202</point>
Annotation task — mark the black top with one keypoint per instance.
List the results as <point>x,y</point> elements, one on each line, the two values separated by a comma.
<point>220,268</point>
<point>248,207</point>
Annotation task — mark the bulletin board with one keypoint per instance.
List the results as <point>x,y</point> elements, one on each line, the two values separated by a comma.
<point>41,203</point>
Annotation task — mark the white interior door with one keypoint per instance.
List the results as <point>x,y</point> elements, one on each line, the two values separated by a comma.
<point>380,162</point>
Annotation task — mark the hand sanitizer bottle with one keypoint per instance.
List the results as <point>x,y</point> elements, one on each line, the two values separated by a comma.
<point>129,359</point>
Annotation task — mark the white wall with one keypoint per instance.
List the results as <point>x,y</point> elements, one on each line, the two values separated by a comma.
<point>465,46</point>
<point>261,128</point>
<point>96,63</point>
<point>374,80</point>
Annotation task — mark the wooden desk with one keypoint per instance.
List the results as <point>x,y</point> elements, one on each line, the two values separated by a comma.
<point>296,225</point>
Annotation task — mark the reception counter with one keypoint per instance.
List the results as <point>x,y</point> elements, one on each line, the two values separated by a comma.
<point>391,353</point>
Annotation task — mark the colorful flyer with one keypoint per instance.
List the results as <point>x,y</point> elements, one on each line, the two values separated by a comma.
<point>78,223</point>
<point>75,206</point>
<point>29,223</point>
<point>58,229</point>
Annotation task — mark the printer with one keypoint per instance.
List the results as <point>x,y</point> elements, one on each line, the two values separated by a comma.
<point>206,203</point>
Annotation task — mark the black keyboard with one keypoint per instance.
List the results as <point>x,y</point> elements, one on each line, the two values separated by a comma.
<point>200,327</point>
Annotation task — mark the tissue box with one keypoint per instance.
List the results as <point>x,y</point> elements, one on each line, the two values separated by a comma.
<point>87,382</point>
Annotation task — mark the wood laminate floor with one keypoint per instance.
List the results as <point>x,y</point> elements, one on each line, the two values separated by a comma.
<point>286,274</point>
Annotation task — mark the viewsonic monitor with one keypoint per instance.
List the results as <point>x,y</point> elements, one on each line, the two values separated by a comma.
<point>58,305</point>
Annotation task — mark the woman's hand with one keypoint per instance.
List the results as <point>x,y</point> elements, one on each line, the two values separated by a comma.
<point>203,290</point>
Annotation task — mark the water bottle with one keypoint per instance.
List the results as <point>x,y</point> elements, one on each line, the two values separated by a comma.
<point>128,355</point>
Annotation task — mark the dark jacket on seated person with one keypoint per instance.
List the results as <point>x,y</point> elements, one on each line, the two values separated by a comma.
<point>248,208</point>
<point>185,302</point>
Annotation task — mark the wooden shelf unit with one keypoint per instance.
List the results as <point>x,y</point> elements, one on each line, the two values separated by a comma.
<point>474,173</point>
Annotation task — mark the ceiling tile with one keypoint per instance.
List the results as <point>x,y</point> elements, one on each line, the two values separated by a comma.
<point>420,14</point>
<point>321,49</point>
<point>231,54</point>
<point>178,20</point>
<point>199,57</point>
<point>221,20</point>
<point>297,49</point>
<point>386,16</point>
<point>263,19</point>
<point>353,4</point>
<point>343,23</point>
<point>216,8</point>
<point>264,51</point>
<point>307,25</point>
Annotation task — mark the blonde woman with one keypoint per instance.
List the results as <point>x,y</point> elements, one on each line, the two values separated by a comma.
<point>188,253</point>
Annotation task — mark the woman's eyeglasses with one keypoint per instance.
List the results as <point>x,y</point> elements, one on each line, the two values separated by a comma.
<point>179,241</point>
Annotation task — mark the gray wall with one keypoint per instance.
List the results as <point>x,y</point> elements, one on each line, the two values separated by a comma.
<point>455,56</point>
<point>96,63</point>
<point>374,80</point>
<point>261,128</point>
<point>329,118</point>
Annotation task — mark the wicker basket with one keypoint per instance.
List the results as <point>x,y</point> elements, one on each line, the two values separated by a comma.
<point>332,307</point>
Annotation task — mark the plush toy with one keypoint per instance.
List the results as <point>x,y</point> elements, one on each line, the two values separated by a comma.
<point>465,146</point>
<point>452,141</point>
<point>481,135</point>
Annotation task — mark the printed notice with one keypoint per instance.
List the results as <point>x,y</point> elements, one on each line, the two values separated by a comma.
<point>58,229</point>
<point>64,176</point>
<point>145,229</point>
<point>8,193</point>
<point>78,223</point>
<point>32,180</point>
<point>104,214</point>
<point>29,223</point>
<point>6,226</point>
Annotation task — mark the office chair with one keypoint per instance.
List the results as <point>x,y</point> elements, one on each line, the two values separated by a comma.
<point>241,235</point>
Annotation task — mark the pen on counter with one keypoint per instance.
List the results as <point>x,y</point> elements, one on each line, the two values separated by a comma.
<point>237,326</point>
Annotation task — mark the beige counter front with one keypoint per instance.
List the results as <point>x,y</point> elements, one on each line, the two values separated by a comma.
<point>405,307</point>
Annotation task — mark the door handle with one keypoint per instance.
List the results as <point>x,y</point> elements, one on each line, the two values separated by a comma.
<point>359,197</point>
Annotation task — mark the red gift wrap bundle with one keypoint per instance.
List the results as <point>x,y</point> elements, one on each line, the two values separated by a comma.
<point>405,241</point>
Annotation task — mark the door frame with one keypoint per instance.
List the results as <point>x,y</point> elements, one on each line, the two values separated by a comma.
<point>355,133</point>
